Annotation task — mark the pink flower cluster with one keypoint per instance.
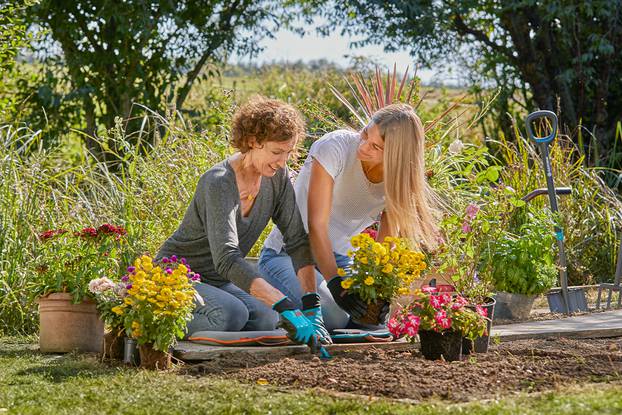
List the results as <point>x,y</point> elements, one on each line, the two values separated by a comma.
<point>51,233</point>
<point>471,213</point>
<point>371,232</point>
<point>432,310</point>
<point>88,232</point>
<point>408,326</point>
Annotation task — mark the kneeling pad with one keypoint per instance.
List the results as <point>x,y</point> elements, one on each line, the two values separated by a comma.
<point>241,338</point>
<point>360,336</point>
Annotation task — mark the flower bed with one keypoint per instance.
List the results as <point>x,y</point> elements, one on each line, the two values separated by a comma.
<point>526,365</point>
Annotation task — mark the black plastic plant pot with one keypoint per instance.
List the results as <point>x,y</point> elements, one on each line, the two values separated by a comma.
<point>480,344</point>
<point>447,344</point>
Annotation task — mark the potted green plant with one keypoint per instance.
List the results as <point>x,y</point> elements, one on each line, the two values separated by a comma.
<point>66,262</point>
<point>440,320</point>
<point>380,271</point>
<point>523,264</point>
<point>159,303</point>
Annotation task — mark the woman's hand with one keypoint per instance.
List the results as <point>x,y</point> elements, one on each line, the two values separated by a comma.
<point>297,326</point>
<point>313,311</point>
<point>350,303</point>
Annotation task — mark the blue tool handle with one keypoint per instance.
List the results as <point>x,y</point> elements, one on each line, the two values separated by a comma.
<point>550,115</point>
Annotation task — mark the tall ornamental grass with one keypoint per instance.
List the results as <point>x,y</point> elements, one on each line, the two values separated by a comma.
<point>147,193</point>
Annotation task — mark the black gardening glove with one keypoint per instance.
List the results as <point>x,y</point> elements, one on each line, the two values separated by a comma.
<point>350,303</point>
<point>384,312</point>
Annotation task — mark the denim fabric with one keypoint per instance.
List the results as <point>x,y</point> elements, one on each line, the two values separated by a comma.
<point>229,308</point>
<point>277,269</point>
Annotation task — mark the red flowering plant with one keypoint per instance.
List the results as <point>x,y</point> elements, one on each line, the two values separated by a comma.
<point>68,260</point>
<point>439,312</point>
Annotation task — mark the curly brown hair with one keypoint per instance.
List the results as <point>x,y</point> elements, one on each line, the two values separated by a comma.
<point>265,119</point>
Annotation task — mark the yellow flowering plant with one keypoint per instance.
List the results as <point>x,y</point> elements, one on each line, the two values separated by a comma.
<point>379,271</point>
<point>159,301</point>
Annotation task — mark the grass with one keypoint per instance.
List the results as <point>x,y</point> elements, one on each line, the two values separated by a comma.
<point>32,383</point>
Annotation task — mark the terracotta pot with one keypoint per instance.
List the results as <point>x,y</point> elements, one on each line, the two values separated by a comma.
<point>65,327</point>
<point>372,316</point>
<point>153,359</point>
<point>113,344</point>
<point>447,344</point>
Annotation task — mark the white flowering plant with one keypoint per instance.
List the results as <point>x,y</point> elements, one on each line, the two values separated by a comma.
<point>108,294</point>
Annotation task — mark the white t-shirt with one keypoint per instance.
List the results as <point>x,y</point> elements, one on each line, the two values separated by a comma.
<point>357,202</point>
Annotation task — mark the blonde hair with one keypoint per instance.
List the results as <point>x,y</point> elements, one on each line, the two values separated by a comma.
<point>411,204</point>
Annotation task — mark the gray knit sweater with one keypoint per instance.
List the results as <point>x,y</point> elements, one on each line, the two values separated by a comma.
<point>215,238</point>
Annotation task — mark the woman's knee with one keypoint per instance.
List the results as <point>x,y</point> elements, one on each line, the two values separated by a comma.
<point>221,311</point>
<point>263,319</point>
<point>219,317</point>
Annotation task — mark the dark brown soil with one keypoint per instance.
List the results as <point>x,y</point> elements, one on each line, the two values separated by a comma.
<point>527,365</point>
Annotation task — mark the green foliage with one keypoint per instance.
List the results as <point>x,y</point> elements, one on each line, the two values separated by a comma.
<point>524,263</point>
<point>543,55</point>
<point>42,98</point>
<point>121,54</point>
<point>13,31</point>
<point>591,216</point>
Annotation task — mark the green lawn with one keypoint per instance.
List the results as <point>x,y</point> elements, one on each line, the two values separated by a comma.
<point>31,383</point>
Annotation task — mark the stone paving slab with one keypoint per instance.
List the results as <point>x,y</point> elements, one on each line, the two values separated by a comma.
<point>602,324</point>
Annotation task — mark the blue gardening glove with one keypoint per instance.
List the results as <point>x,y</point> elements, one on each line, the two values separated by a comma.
<point>312,310</point>
<point>297,326</point>
<point>350,303</point>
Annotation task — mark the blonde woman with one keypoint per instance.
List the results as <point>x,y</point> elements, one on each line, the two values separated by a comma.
<point>348,180</point>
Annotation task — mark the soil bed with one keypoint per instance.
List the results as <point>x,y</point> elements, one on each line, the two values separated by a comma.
<point>525,365</point>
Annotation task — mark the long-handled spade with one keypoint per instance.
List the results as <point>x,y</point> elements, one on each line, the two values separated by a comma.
<point>576,302</point>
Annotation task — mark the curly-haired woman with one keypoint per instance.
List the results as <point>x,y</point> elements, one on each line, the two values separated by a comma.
<point>233,202</point>
<point>348,180</point>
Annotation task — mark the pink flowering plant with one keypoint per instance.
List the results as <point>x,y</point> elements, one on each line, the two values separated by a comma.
<point>465,255</point>
<point>499,244</point>
<point>439,312</point>
<point>68,260</point>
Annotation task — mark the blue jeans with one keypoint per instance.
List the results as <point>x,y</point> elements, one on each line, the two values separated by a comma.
<point>277,269</point>
<point>229,308</point>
